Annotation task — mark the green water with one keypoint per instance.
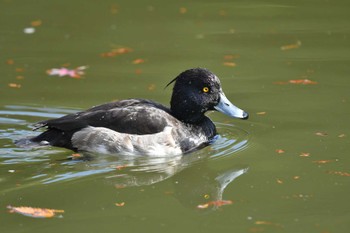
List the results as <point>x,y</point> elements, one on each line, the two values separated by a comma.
<point>254,47</point>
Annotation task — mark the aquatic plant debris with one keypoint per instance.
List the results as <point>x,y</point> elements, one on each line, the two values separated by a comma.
<point>297,81</point>
<point>120,204</point>
<point>216,203</point>
<point>280,151</point>
<point>296,45</point>
<point>34,212</point>
<point>72,73</point>
<point>116,51</point>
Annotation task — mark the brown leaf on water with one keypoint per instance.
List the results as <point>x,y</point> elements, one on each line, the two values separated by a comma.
<point>229,57</point>
<point>216,203</point>
<point>339,173</point>
<point>296,81</point>
<point>296,45</point>
<point>302,81</point>
<point>323,161</point>
<point>10,62</point>
<point>138,61</point>
<point>279,151</point>
<point>279,181</point>
<point>14,85</point>
<point>116,51</point>
<point>34,212</point>
<point>114,9</point>
<point>322,134</point>
<point>230,64</point>
<point>120,204</point>
<point>304,154</point>
<point>36,23</point>
<point>183,10</point>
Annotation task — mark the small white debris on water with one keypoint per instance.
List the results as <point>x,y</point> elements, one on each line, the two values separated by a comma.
<point>11,171</point>
<point>29,30</point>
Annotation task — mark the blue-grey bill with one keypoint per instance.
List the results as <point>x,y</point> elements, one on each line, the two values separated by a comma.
<point>226,107</point>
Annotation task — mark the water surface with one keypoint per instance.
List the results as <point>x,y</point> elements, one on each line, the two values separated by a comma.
<point>286,169</point>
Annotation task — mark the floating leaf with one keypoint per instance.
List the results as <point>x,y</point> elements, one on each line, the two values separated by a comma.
<point>304,154</point>
<point>279,151</point>
<point>116,51</point>
<point>138,61</point>
<point>279,181</point>
<point>34,212</point>
<point>341,135</point>
<point>10,62</point>
<point>323,161</point>
<point>231,56</point>
<point>120,204</point>
<point>261,113</point>
<point>291,46</point>
<point>183,10</point>
<point>217,203</point>
<point>302,81</point>
<point>322,134</point>
<point>14,85</point>
<point>339,173</point>
<point>73,73</point>
<point>297,81</point>
<point>36,23</point>
<point>230,64</point>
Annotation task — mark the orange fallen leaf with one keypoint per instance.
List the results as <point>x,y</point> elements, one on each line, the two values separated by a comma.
<point>183,10</point>
<point>230,64</point>
<point>138,71</point>
<point>304,154</point>
<point>231,56</point>
<point>10,62</point>
<point>14,85</point>
<point>116,52</point>
<point>279,151</point>
<point>302,81</point>
<point>34,212</point>
<point>114,9</point>
<point>322,161</point>
<point>217,203</point>
<point>138,61</point>
<point>120,204</point>
<point>36,23</point>
<point>339,173</point>
<point>296,45</point>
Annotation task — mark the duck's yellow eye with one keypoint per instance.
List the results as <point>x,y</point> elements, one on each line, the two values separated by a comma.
<point>205,89</point>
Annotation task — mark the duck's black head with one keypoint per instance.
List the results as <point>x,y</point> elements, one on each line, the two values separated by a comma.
<point>197,91</point>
